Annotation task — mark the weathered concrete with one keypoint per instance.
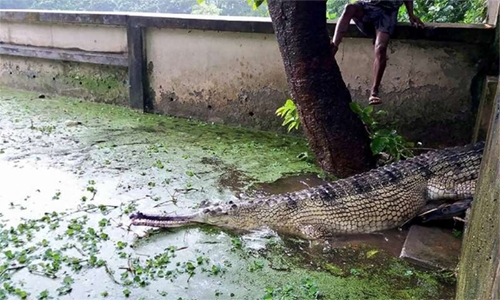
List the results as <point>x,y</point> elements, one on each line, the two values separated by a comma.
<point>469,33</point>
<point>492,15</point>
<point>479,274</point>
<point>64,17</point>
<point>229,70</point>
<point>100,58</point>
<point>238,78</point>
<point>431,247</point>
<point>82,37</point>
<point>217,76</point>
<point>100,83</point>
<point>485,110</point>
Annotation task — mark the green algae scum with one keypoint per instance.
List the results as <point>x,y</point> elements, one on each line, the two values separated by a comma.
<point>67,190</point>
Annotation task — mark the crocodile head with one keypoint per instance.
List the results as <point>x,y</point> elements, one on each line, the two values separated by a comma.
<point>227,216</point>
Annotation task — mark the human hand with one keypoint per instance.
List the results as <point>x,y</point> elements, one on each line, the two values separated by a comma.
<point>416,22</point>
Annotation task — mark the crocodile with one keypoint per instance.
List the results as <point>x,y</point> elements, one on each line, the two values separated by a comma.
<point>376,200</point>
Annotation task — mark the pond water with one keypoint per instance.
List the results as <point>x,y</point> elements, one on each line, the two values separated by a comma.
<point>66,193</point>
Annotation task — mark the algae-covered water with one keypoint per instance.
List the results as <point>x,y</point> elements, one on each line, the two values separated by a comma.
<point>66,193</point>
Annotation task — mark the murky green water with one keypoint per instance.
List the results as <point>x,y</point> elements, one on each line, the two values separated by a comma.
<point>66,192</point>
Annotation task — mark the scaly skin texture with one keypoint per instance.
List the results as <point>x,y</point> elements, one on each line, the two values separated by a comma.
<point>380,199</point>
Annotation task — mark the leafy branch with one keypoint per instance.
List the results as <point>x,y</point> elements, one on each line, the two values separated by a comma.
<point>382,140</point>
<point>290,115</point>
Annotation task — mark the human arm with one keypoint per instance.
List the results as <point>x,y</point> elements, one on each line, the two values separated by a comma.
<point>414,20</point>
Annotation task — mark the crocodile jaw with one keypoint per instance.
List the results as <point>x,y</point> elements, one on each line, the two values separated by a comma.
<point>140,219</point>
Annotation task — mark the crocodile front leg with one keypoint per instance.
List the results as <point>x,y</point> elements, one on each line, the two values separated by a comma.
<point>446,211</point>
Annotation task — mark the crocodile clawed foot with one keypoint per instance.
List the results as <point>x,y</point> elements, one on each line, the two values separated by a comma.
<point>446,211</point>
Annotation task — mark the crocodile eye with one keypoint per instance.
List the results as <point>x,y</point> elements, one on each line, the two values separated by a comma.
<point>234,206</point>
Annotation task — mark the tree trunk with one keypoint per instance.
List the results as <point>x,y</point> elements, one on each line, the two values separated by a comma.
<point>479,273</point>
<point>335,134</point>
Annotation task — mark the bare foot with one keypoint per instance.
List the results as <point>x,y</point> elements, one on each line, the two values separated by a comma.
<point>374,100</point>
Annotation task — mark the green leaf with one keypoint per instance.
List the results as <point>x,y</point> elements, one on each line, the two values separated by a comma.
<point>367,120</point>
<point>335,270</point>
<point>368,110</point>
<point>21,294</point>
<point>371,253</point>
<point>378,144</point>
<point>64,290</point>
<point>22,259</point>
<point>289,103</point>
<point>382,133</point>
<point>43,295</point>
<point>68,280</point>
<point>190,266</point>
<point>215,269</point>
<point>9,254</point>
<point>121,245</point>
<point>355,107</point>
<point>126,292</point>
<point>200,1</point>
<point>289,114</point>
<point>255,3</point>
<point>280,112</point>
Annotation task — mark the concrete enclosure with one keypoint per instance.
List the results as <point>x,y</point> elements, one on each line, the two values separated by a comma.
<point>230,70</point>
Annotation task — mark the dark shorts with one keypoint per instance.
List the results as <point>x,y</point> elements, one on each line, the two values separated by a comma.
<point>376,18</point>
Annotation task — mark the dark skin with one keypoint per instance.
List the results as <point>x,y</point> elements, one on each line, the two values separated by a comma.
<point>355,11</point>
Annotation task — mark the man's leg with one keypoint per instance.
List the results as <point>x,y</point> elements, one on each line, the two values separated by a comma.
<point>381,43</point>
<point>351,11</point>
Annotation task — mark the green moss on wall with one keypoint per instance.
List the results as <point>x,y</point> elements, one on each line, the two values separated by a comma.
<point>98,83</point>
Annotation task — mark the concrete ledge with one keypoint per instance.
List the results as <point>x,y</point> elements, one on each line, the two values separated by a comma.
<point>231,24</point>
<point>431,247</point>
<point>118,59</point>
<point>473,34</point>
<point>70,17</point>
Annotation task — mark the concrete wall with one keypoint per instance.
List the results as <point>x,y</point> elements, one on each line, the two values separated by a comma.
<point>93,82</point>
<point>82,37</point>
<point>238,78</point>
<point>99,83</point>
<point>426,87</point>
<point>492,15</point>
<point>230,70</point>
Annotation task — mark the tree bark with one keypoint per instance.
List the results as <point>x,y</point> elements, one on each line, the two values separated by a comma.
<point>335,134</point>
<point>479,273</point>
